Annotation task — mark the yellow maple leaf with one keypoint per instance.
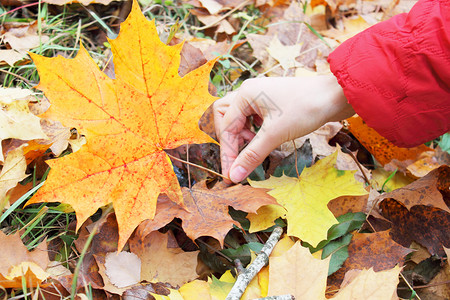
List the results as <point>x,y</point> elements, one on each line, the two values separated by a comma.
<point>128,122</point>
<point>305,198</point>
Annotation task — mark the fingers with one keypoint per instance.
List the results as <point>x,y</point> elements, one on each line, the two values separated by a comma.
<point>253,155</point>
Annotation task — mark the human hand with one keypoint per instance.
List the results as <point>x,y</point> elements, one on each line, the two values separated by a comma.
<point>285,108</point>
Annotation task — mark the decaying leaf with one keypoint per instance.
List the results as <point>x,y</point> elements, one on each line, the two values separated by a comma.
<point>370,250</point>
<point>429,226</point>
<point>386,153</point>
<point>12,172</point>
<point>206,212</point>
<point>20,37</point>
<point>127,122</point>
<point>17,263</point>
<point>293,34</point>
<point>305,199</point>
<point>431,190</point>
<point>123,269</point>
<point>16,119</point>
<point>157,255</point>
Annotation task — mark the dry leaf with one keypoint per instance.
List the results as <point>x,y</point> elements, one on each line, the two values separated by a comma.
<point>429,226</point>
<point>370,285</point>
<point>123,269</point>
<point>206,212</point>
<point>370,250</point>
<point>16,119</point>
<point>157,256</point>
<point>12,172</point>
<point>127,122</point>
<point>386,153</point>
<point>298,273</point>
<point>16,261</point>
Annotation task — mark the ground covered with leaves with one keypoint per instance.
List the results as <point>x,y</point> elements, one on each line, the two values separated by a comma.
<point>110,182</point>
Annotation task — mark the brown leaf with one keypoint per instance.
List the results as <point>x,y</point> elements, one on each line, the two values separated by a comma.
<point>347,204</point>
<point>431,190</point>
<point>207,209</point>
<point>162,261</point>
<point>292,31</point>
<point>429,226</point>
<point>369,250</point>
<point>14,253</point>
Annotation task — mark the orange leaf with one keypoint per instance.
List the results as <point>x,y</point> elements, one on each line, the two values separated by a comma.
<point>383,150</point>
<point>127,121</point>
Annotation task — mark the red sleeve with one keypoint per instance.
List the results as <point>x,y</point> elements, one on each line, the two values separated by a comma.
<point>396,74</point>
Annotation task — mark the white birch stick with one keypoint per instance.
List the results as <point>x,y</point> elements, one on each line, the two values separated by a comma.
<point>243,279</point>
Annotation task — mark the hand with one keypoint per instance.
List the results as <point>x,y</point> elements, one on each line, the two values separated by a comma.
<point>285,108</point>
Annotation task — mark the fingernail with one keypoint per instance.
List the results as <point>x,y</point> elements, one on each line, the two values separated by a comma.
<point>238,174</point>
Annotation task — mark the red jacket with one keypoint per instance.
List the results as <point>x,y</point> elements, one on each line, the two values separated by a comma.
<point>396,74</point>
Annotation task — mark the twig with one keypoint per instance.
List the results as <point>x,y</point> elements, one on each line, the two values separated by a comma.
<point>410,287</point>
<point>222,17</point>
<point>366,179</point>
<point>282,297</point>
<point>296,159</point>
<point>239,267</point>
<point>18,76</point>
<point>243,279</point>
<point>198,166</point>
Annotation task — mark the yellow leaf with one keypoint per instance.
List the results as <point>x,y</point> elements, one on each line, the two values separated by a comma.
<point>194,290</point>
<point>305,199</point>
<point>265,217</point>
<point>298,273</point>
<point>13,172</point>
<point>370,285</point>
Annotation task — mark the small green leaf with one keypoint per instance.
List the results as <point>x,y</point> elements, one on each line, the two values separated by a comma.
<point>338,249</point>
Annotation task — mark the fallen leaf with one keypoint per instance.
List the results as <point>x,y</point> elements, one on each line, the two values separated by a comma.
<point>291,32</point>
<point>370,285</point>
<point>17,121</point>
<point>28,273</point>
<point>17,262</point>
<point>12,172</point>
<point>319,140</point>
<point>346,204</point>
<point>206,212</point>
<point>20,37</point>
<point>285,55</point>
<point>156,255</point>
<point>298,273</point>
<point>127,122</point>
<point>83,2</point>
<point>352,26</point>
<point>123,269</point>
<point>429,191</point>
<point>305,199</point>
<point>370,250</point>
<point>427,162</point>
<point>381,176</point>
<point>429,226</point>
<point>386,153</point>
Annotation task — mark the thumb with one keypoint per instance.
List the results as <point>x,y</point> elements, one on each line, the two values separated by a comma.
<point>253,155</point>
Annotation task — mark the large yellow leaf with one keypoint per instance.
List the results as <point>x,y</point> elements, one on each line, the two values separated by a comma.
<point>128,122</point>
<point>305,199</point>
<point>298,273</point>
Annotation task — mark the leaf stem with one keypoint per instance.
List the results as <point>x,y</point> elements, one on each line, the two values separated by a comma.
<point>197,166</point>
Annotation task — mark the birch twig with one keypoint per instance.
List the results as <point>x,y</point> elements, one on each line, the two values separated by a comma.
<point>243,279</point>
